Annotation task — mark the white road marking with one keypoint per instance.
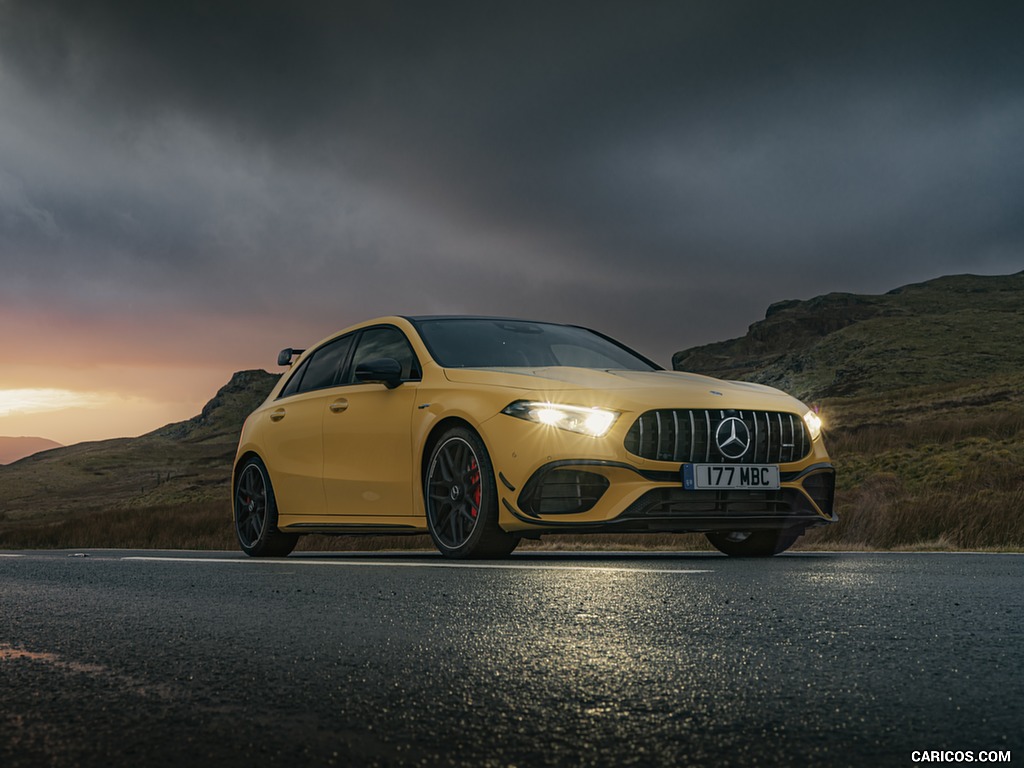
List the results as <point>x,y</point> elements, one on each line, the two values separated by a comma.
<point>399,564</point>
<point>2,555</point>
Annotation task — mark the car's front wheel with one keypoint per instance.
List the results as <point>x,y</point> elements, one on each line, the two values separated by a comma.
<point>462,500</point>
<point>753,543</point>
<point>256,514</point>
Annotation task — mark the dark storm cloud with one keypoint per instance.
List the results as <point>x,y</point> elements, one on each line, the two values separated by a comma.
<point>625,165</point>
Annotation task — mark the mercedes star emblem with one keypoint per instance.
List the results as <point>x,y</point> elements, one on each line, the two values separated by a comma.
<point>733,438</point>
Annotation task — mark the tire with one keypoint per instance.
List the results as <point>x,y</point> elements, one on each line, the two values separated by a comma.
<point>256,514</point>
<point>753,543</point>
<point>462,500</point>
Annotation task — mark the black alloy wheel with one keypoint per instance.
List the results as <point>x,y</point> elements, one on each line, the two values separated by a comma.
<point>256,514</point>
<point>461,499</point>
<point>753,543</point>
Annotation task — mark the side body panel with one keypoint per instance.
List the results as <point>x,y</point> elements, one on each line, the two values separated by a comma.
<point>369,468</point>
<point>292,448</point>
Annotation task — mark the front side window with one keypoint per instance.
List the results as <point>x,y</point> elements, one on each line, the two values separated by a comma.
<point>376,343</point>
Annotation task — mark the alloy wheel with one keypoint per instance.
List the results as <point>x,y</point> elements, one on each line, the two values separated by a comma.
<point>454,492</point>
<point>251,505</point>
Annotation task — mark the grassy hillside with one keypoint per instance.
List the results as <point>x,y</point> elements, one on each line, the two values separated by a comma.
<point>945,331</point>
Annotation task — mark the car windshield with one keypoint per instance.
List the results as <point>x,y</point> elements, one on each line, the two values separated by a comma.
<point>486,343</point>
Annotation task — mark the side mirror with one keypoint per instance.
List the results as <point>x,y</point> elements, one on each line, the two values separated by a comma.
<point>385,370</point>
<point>284,357</point>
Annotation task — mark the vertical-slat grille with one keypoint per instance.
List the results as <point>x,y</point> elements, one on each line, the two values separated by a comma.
<point>719,436</point>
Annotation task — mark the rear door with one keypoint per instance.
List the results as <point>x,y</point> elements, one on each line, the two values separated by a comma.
<point>293,439</point>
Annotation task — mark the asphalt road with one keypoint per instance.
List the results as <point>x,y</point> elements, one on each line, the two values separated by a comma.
<point>124,658</point>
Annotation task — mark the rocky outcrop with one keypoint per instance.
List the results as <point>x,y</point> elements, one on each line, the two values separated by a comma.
<point>223,415</point>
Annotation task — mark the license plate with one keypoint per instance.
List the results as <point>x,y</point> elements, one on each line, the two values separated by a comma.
<point>744,477</point>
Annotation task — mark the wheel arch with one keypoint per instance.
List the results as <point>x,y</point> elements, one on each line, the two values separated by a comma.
<point>239,462</point>
<point>434,436</point>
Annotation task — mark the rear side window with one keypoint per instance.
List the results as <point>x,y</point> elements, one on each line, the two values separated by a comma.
<point>293,383</point>
<point>376,343</point>
<point>321,369</point>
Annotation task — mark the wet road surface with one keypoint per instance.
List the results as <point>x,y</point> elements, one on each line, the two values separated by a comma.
<point>171,658</point>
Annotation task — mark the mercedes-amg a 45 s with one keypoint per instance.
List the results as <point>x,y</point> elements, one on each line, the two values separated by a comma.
<point>484,431</point>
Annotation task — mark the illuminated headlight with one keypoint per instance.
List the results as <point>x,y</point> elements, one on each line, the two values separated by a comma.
<point>576,418</point>
<point>813,422</point>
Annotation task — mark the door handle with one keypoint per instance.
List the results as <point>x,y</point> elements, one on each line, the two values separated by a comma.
<point>277,415</point>
<point>338,405</point>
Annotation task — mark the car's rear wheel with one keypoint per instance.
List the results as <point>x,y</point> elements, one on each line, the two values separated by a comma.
<point>256,514</point>
<point>753,543</point>
<point>462,500</point>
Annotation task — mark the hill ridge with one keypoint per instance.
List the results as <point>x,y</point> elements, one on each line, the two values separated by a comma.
<point>844,344</point>
<point>13,448</point>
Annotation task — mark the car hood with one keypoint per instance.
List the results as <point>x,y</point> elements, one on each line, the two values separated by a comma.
<point>644,389</point>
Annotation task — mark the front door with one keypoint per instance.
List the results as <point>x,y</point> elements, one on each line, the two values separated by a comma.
<point>369,467</point>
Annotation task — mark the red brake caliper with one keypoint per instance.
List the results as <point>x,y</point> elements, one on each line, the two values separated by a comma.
<point>474,478</point>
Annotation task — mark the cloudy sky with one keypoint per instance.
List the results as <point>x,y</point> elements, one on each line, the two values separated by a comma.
<point>186,187</point>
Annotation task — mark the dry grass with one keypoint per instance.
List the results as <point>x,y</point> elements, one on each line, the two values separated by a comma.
<point>873,439</point>
<point>985,511</point>
<point>939,468</point>
<point>201,525</point>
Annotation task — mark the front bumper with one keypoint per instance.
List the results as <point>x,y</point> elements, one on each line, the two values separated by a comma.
<point>591,495</point>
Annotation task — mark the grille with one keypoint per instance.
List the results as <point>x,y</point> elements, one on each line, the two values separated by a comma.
<point>707,436</point>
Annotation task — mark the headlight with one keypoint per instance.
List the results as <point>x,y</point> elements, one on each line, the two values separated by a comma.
<point>576,418</point>
<point>813,422</point>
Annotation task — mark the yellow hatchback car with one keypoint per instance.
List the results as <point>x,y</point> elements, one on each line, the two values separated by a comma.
<point>483,431</point>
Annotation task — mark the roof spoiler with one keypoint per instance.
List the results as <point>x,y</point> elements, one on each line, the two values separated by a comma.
<point>284,357</point>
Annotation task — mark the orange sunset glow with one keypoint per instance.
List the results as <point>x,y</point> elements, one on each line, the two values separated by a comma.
<point>76,378</point>
<point>70,417</point>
